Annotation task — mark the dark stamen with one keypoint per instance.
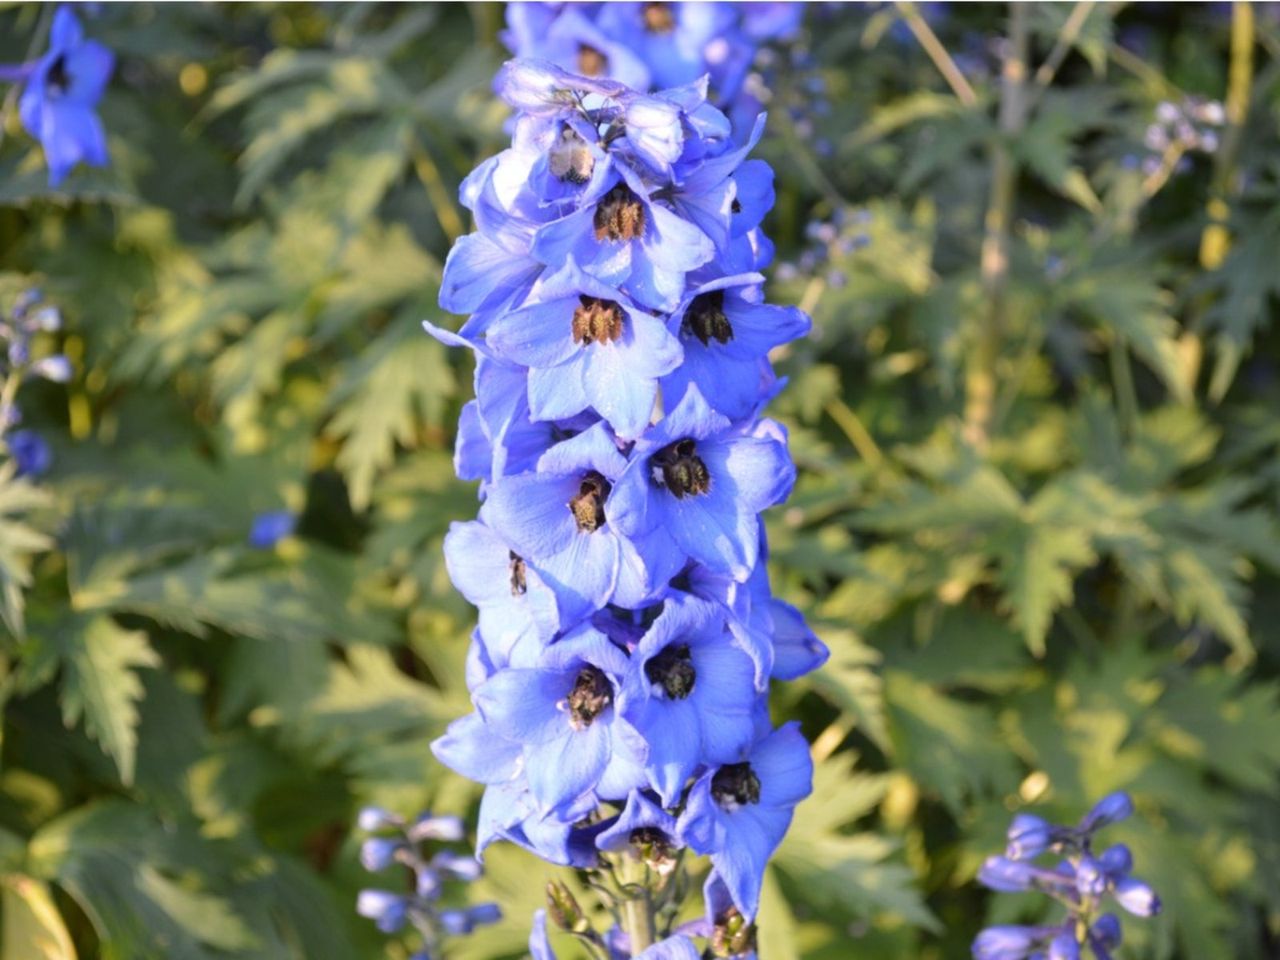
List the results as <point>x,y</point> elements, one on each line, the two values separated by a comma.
<point>619,215</point>
<point>591,696</point>
<point>736,206</point>
<point>734,785</point>
<point>57,78</point>
<point>596,321</point>
<point>519,582</point>
<point>678,467</point>
<point>652,847</point>
<point>588,506</point>
<point>706,320</point>
<point>591,62</point>
<point>672,670</point>
<point>658,18</point>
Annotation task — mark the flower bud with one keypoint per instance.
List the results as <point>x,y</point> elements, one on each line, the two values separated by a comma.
<point>376,818</point>
<point>1112,808</point>
<point>378,853</point>
<point>1006,943</point>
<point>388,910</point>
<point>427,827</point>
<point>563,908</point>
<point>1029,836</point>
<point>55,368</point>
<point>1137,897</point>
<point>456,865</point>
<point>1106,930</point>
<point>1064,947</point>
<point>1116,861</point>
<point>1091,879</point>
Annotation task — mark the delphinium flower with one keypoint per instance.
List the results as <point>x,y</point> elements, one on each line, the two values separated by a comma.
<point>627,634</point>
<point>60,95</point>
<point>1190,125</point>
<point>28,318</point>
<point>394,843</point>
<point>654,46</point>
<point>1083,880</point>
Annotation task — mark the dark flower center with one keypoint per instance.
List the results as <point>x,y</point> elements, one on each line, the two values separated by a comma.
<point>570,158</point>
<point>596,321</point>
<point>658,18</point>
<point>672,669</point>
<point>706,320</point>
<point>735,785</point>
<point>591,696</point>
<point>57,79</point>
<point>619,215</point>
<point>519,583</point>
<point>588,506</point>
<point>736,206</point>
<point>591,62</point>
<point>678,467</point>
<point>651,846</point>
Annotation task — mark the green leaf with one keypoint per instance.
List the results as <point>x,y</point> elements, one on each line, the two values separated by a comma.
<point>32,927</point>
<point>398,384</point>
<point>100,683</point>
<point>18,543</point>
<point>133,877</point>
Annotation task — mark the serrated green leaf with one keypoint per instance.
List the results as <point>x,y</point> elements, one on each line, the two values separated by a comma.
<point>100,684</point>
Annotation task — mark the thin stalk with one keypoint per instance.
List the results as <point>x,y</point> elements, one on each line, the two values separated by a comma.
<point>980,375</point>
<point>1216,240</point>
<point>938,54</point>
<point>1062,46</point>
<point>438,195</point>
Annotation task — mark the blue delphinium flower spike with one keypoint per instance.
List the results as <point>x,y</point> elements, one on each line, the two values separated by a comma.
<point>627,633</point>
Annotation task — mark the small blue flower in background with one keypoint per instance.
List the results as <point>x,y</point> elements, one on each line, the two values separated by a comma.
<point>30,452</point>
<point>396,841</point>
<point>1081,881</point>
<point>268,529</point>
<point>59,101</point>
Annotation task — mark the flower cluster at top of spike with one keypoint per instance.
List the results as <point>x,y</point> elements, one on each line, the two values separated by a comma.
<point>60,95</point>
<point>1081,881</point>
<point>650,46</point>
<point>627,634</point>
<point>395,842</point>
<point>29,317</point>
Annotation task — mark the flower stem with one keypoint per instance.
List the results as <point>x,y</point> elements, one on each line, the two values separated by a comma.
<point>980,375</point>
<point>637,907</point>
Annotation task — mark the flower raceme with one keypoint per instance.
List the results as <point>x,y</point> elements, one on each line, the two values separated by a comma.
<point>1080,881</point>
<point>627,635</point>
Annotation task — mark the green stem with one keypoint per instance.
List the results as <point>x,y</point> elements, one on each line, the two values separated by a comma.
<point>980,373</point>
<point>637,920</point>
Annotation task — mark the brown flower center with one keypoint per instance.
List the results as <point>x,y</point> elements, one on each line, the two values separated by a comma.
<point>570,158</point>
<point>678,467</point>
<point>619,215</point>
<point>588,506</point>
<point>658,18</point>
<point>591,696</point>
<point>596,321</point>
<point>706,320</point>
<point>591,62</point>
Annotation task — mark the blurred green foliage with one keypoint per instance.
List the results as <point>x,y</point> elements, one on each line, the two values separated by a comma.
<point>1036,521</point>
